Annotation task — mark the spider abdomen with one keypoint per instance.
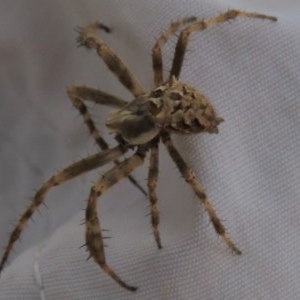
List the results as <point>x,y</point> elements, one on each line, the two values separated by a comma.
<point>178,107</point>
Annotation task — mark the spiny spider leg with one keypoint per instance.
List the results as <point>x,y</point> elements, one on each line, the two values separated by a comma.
<point>79,93</point>
<point>199,26</point>
<point>93,236</point>
<point>152,183</point>
<point>96,96</point>
<point>80,167</point>
<point>157,62</point>
<point>190,178</point>
<point>89,39</point>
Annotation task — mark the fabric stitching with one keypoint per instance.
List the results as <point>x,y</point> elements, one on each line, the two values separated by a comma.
<point>37,272</point>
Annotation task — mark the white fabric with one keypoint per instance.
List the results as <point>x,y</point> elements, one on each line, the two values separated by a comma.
<point>251,169</point>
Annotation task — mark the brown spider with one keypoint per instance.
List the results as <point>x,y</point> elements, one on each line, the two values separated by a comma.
<point>172,107</point>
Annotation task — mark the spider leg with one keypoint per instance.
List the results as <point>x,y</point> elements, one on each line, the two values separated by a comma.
<point>190,178</point>
<point>73,170</point>
<point>152,183</point>
<point>93,236</point>
<point>95,96</point>
<point>79,93</point>
<point>157,62</point>
<point>89,39</point>
<point>199,26</point>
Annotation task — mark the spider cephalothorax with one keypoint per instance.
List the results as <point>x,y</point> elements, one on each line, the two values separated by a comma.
<point>171,107</point>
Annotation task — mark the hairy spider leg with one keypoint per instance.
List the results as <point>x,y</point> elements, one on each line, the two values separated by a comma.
<point>79,94</point>
<point>183,38</point>
<point>80,167</point>
<point>157,62</point>
<point>152,183</point>
<point>89,39</point>
<point>189,176</point>
<point>93,236</point>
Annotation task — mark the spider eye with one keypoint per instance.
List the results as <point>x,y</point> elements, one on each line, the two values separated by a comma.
<point>175,96</point>
<point>156,93</point>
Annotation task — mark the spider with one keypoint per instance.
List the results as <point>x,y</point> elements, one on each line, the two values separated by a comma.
<point>171,107</point>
